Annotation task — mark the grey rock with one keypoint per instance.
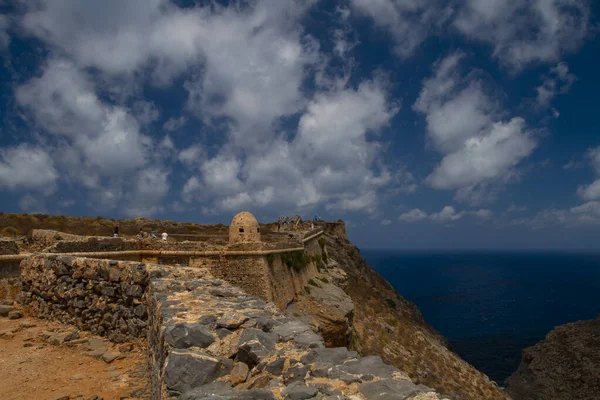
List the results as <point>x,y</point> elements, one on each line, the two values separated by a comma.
<point>4,310</point>
<point>223,332</point>
<point>300,391</point>
<point>255,345</point>
<point>15,314</point>
<point>111,356</point>
<point>140,311</point>
<point>309,340</point>
<point>276,367</point>
<point>223,292</point>
<point>296,374</point>
<point>389,390</point>
<point>208,320</point>
<point>290,329</point>
<point>184,335</point>
<point>186,370</point>
<point>231,320</point>
<point>266,323</point>
<point>71,336</point>
<point>334,356</point>
<point>370,365</point>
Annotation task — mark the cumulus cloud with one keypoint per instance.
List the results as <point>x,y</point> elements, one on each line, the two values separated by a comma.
<point>331,160</point>
<point>174,124</point>
<point>521,32</point>
<point>4,36</point>
<point>559,81</point>
<point>413,216</point>
<point>27,167</point>
<point>447,215</point>
<point>592,191</point>
<point>465,124</point>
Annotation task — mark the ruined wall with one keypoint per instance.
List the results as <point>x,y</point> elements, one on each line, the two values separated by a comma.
<point>42,238</point>
<point>8,246</point>
<point>246,272</point>
<point>101,296</point>
<point>288,279</point>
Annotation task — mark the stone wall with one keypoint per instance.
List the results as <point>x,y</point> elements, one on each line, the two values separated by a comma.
<point>42,238</point>
<point>208,339</point>
<point>8,246</point>
<point>101,296</point>
<point>246,272</point>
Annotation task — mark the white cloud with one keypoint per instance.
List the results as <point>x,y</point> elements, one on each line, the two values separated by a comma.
<point>192,156</point>
<point>413,216</point>
<point>63,101</point>
<point>483,214</point>
<point>175,124</point>
<point>592,191</point>
<point>448,214</point>
<point>522,31</point>
<point>559,81</point>
<point>27,167</point>
<point>386,222</point>
<point>4,36</point>
<point>465,124</point>
<point>410,22</point>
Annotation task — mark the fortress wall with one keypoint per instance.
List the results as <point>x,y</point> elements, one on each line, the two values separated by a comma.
<point>334,228</point>
<point>45,237</point>
<point>102,296</point>
<point>286,282</point>
<point>246,272</point>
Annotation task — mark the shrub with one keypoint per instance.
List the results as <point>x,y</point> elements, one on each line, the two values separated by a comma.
<point>324,280</point>
<point>313,283</point>
<point>322,243</point>
<point>271,260</point>
<point>391,303</point>
<point>296,260</point>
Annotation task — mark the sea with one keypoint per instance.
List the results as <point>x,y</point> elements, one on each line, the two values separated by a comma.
<point>492,305</point>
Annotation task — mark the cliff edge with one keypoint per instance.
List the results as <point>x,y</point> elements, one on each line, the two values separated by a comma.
<point>386,324</point>
<point>563,366</point>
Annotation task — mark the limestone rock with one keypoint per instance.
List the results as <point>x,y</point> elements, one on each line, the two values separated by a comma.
<point>15,314</point>
<point>300,391</point>
<point>388,390</point>
<point>184,335</point>
<point>231,320</point>
<point>239,373</point>
<point>565,365</point>
<point>186,370</point>
<point>4,310</point>
<point>255,345</point>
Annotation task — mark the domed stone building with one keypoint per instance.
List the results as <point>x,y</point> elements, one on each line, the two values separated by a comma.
<point>244,228</point>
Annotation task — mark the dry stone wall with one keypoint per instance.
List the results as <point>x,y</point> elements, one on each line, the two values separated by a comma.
<point>105,297</point>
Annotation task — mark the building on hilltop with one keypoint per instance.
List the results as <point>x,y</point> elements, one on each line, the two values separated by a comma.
<point>244,228</point>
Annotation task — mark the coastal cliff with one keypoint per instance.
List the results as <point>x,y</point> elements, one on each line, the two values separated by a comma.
<point>346,302</point>
<point>386,324</point>
<point>563,366</point>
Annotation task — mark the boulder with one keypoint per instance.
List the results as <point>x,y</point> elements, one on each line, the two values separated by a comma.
<point>186,370</point>
<point>184,335</point>
<point>255,345</point>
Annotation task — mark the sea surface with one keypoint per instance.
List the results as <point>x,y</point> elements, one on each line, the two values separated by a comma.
<point>490,306</point>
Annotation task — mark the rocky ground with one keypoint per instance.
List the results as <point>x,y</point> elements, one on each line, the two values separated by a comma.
<point>47,360</point>
<point>563,366</point>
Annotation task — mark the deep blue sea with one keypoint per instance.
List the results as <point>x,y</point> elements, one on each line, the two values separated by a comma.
<point>490,306</point>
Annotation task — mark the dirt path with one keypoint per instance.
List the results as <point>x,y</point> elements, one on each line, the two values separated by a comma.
<point>37,363</point>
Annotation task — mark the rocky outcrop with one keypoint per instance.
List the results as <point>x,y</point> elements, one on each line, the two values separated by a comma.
<point>563,366</point>
<point>387,325</point>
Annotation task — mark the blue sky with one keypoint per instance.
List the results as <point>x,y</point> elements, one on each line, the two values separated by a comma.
<point>424,124</point>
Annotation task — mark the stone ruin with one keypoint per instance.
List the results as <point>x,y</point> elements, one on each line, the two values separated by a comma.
<point>208,338</point>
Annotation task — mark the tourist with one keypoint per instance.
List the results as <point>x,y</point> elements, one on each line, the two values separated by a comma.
<point>165,235</point>
<point>116,232</point>
<point>153,234</point>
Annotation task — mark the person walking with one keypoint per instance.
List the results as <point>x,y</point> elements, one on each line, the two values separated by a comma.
<point>116,232</point>
<point>165,235</point>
